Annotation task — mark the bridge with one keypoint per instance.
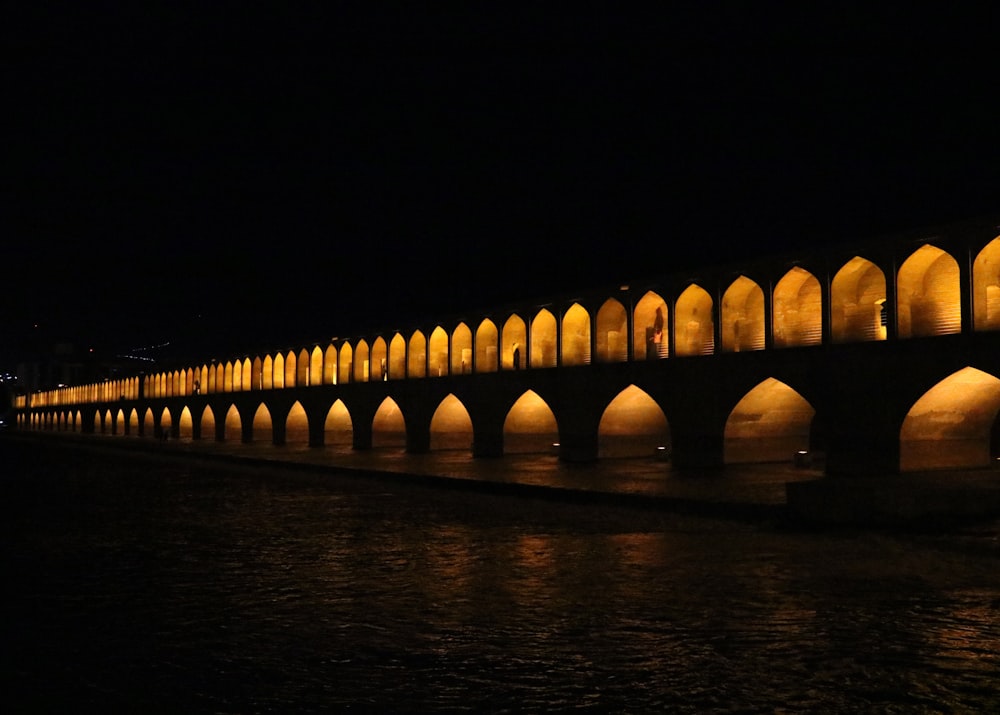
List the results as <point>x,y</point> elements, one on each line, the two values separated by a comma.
<point>869,359</point>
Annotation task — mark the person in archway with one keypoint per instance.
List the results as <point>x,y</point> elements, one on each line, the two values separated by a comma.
<point>516,356</point>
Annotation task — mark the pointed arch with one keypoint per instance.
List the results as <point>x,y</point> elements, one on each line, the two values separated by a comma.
<point>233,426</point>
<point>770,424</point>
<point>388,425</point>
<point>263,428</point>
<point>185,424</point>
<point>362,362</point>
<point>148,425</point>
<point>461,350</point>
<point>297,425</point>
<point>514,337</point>
<point>986,287</point>
<point>346,363</point>
<point>257,383</point>
<point>267,373</point>
<point>302,368</point>
<point>437,357</point>
<point>928,294</point>
<point>451,426</point>
<point>486,346</point>
<point>632,425</point>
<point>291,370</point>
<point>611,339</point>
<point>857,302</point>
<point>166,421</point>
<point>246,374</point>
<point>953,424</point>
<point>338,428</point>
<point>278,375</point>
<point>694,326</point>
<point>316,374</point>
<point>530,426</point>
<point>397,357</point>
<point>543,340</point>
<point>798,310</point>
<point>575,346</point>
<point>379,360</point>
<point>227,377</point>
<point>416,360</point>
<point>133,423</point>
<point>651,325</point>
<point>742,318</point>
<point>330,365</point>
<point>208,423</point>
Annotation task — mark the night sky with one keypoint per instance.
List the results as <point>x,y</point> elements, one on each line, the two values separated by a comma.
<point>219,173</point>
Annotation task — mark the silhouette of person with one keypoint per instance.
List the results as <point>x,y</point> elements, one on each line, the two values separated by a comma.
<point>516,356</point>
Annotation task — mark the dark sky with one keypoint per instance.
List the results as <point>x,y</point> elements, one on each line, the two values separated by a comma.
<point>299,171</point>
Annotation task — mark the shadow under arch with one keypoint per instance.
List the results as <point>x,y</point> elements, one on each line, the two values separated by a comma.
<point>530,426</point>
<point>952,424</point>
<point>297,425</point>
<point>769,424</point>
<point>388,425</point>
<point>451,426</point>
<point>633,425</point>
<point>338,428</point>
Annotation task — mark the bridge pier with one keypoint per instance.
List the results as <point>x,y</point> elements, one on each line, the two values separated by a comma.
<point>578,447</point>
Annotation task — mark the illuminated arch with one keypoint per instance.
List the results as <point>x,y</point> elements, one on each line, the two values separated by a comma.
<point>257,382</point>
<point>233,426</point>
<point>330,366</point>
<point>208,423</point>
<point>133,422</point>
<point>147,422</point>
<point>278,376</point>
<point>397,357</point>
<point>317,376</point>
<point>651,327</point>
<point>798,310</point>
<point>120,426</point>
<point>952,424</point>
<point>213,379</point>
<point>742,316</point>
<point>694,326</point>
<point>246,375</point>
<point>461,350</point>
<point>514,336</point>
<point>857,302</point>
<point>166,421</point>
<point>416,361</point>
<point>770,424</point>
<point>530,426</point>
<point>986,287</point>
<point>338,428</point>
<point>451,425</point>
<point>576,336</point>
<point>262,425</point>
<point>928,294</point>
<point>346,363</point>
<point>185,425</point>
<point>486,346</point>
<point>611,339</point>
<point>291,370</point>
<point>227,377</point>
<point>237,376</point>
<point>302,369</point>
<point>297,425</point>
<point>380,359</point>
<point>388,425</point>
<point>543,340</point>
<point>437,358</point>
<point>267,373</point>
<point>362,362</point>
<point>632,425</point>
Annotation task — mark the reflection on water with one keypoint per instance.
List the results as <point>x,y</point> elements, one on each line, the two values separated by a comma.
<point>136,585</point>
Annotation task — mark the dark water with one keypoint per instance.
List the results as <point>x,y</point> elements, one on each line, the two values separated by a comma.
<point>136,585</point>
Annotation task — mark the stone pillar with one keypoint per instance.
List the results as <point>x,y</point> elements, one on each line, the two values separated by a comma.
<point>578,447</point>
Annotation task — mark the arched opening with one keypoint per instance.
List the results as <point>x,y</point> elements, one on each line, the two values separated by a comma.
<point>233,429</point>
<point>291,370</point>
<point>166,422</point>
<point>451,426</point>
<point>438,357</point>
<point>742,316</point>
<point>257,382</point>
<point>633,425</point>
<point>928,294</point>
<point>770,424</point>
<point>302,369</point>
<point>133,423</point>
<point>857,302</point>
<point>362,364</point>
<point>237,376</point>
<point>330,366</point>
<point>267,373</point>
<point>530,426</point>
<point>338,429</point>
<point>651,326</point>
<point>185,425</point>
<point>798,310</point>
<point>951,424</point>
<point>513,340</point>
<point>543,340</point>
<point>416,360</point>
<point>262,430</point>
<point>207,424</point>
<point>148,427</point>
<point>119,427</point>
<point>278,378</point>
<point>986,287</point>
<point>694,325</point>
<point>380,359</point>
<point>346,363</point>
<point>461,350</point>
<point>486,347</point>
<point>316,374</point>
<point>297,425</point>
<point>227,377</point>
<point>576,336</point>
<point>397,357</point>
<point>388,426</point>
<point>611,340</point>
